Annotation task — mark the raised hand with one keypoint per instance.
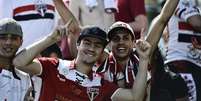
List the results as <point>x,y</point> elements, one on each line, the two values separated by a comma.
<point>61,31</point>
<point>143,47</point>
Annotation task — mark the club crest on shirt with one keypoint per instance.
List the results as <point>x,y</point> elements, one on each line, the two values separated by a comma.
<point>92,93</point>
<point>40,7</point>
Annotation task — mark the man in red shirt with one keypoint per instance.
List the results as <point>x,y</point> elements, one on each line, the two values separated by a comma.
<point>132,12</point>
<point>122,41</point>
<point>75,80</point>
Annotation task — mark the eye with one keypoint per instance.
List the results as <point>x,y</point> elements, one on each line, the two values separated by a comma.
<point>98,45</point>
<point>115,39</point>
<point>86,43</point>
<point>14,38</point>
<point>3,37</point>
<point>6,37</point>
<point>126,38</point>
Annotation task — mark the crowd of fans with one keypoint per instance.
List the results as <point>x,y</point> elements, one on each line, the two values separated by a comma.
<point>100,50</point>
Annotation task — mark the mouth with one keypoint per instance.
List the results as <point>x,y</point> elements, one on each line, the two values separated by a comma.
<point>8,49</point>
<point>90,54</point>
<point>121,49</point>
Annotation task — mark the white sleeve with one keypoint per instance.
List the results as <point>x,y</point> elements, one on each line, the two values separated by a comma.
<point>6,9</point>
<point>186,9</point>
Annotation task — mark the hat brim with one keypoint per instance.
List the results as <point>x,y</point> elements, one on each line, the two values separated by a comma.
<point>105,42</point>
<point>112,31</point>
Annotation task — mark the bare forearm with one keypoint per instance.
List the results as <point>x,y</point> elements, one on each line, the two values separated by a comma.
<point>66,15</point>
<point>27,55</point>
<point>74,28</point>
<point>139,87</point>
<point>195,22</point>
<point>64,12</point>
<point>159,23</point>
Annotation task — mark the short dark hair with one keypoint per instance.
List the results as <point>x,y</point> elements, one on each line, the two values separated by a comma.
<point>53,48</point>
<point>94,32</point>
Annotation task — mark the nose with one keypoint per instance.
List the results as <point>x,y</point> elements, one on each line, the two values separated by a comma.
<point>8,41</point>
<point>91,47</point>
<point>121,40</point>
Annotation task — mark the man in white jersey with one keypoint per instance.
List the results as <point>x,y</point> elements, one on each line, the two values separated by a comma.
<point>184,46</point>
<point>36,17</point>
<point>13,83</point>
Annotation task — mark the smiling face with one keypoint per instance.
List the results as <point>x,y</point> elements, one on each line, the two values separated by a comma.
<point>9,44</point>
<point>121,44</point>
<point>89,50</point>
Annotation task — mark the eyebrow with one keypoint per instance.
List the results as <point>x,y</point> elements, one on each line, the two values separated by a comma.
<point>96,42</point>
<point>9,35</point>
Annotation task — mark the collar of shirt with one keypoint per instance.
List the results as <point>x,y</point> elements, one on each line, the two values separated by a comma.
<point>0,70</point>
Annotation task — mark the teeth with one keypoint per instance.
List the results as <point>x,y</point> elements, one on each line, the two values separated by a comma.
<point>89,55</point>
<point>121,48</point>
<point>8,49</point>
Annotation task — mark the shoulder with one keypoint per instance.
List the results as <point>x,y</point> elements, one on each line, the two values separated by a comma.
<point>22,74</point>
<point>51,61</point>
<point>65,65</point>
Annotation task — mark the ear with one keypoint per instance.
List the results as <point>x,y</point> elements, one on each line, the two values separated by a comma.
<point>109,46</point>
<point>77,45</point>
<point>21,41</point>
<point>134,43</point>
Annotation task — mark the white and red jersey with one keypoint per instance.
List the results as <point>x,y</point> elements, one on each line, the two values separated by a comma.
<point>12,89</point>
<point>37,17</point>
<point>180,34</point>
<point>62,82</point>
<point>113,72</point>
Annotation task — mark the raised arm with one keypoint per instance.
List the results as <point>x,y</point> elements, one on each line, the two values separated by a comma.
<point>139,87</point>
<point>158,24</point>
<point>24,60</point>
<point>74,28</point>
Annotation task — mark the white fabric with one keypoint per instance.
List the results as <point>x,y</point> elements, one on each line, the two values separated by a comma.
<point>91,3</point>
<point>188,78</point>
<point>112,4</point>
<point>71,74</point>
<point>182,50</point>
<point>91,16</point>
<point>37,86</point>
<point>33,29</point>
<point>12,89</point>
<point>107,3</point>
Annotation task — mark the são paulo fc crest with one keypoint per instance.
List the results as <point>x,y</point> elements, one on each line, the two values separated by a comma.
<point>92,93</point>
<point>40,7</point>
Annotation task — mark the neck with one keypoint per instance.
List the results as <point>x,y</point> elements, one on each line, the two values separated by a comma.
<point>83,67</point>
<point>5,63</point>
<point>122,62</point>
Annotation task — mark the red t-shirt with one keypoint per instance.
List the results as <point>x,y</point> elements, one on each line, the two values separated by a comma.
<point>60,83</point>
<point>128,10</point>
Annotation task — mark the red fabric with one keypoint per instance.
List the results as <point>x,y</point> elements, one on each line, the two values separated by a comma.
<point>185,26</point>
<point>119,69</point>
<point>128,10</point>
<point>64,46</point>
<point>29,8</point>
<point>56,87</point>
